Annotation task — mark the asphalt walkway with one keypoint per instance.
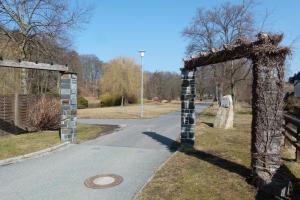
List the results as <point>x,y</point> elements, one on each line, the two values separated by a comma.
<point>134,152</point>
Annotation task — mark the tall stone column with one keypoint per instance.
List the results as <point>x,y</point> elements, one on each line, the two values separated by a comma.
<point>188,117</point>
<point>68,94</point>
<point>267,123</point>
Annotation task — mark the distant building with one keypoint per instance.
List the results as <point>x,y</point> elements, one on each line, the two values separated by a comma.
<point>296,81</point>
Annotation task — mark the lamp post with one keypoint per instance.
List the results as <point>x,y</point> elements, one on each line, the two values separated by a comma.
<point>142,54</point>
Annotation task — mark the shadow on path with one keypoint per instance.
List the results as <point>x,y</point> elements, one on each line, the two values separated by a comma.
<point>172,145</point>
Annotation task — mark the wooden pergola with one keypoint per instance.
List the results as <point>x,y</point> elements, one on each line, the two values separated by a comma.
<point>33,65</point>
<point>265,44</point>
<point>68,94</point>
<point>267,105</point>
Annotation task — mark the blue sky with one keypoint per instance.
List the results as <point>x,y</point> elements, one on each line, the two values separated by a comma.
<point>122,27</point>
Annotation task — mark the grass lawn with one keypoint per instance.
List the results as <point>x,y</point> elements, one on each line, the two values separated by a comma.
<point>15,145</point>
<point>128,112</point>
<point>215,169</point>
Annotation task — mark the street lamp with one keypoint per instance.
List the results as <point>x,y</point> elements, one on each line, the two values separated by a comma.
<point>142,54</point>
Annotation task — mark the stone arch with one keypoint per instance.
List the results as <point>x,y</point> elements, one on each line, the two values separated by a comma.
<point>68,94</point>
<point>268,79</point>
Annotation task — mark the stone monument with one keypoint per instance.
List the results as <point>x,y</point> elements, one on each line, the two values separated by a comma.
<point>224,118</point>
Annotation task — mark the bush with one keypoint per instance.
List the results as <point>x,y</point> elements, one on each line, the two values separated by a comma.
<point>53,94</point>
<point>132,99</point>
<point>44,114</point>
<point>82,102</point>
<point>110,100</point>
<point>115,100</point>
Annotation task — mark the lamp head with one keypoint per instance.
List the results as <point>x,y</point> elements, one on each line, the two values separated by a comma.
<point>142,53</point>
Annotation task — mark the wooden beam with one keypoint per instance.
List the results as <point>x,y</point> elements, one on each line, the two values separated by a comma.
<point>33,65</point>
<point>242,49</point>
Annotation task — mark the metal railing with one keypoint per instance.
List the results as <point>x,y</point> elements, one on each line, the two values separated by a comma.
<point>292,133</point>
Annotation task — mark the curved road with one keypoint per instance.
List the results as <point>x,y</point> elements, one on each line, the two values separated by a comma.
<point>134,152</point>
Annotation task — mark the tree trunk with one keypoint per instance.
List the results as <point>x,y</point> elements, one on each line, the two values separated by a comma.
<point>232,91</point>
<point>267,107</point>
<point>216,93</point>
<point>232,83</point>
<point>24,78</point>
<point>45,84</point>
<point>122,101</point>
<point>220,94</point>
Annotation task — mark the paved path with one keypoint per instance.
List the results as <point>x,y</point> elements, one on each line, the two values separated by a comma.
<point>134,153</point>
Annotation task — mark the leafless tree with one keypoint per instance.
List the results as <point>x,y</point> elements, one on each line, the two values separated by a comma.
<point>164,85</point>
<point>91,67</point>
<point>30,23</point>
<point>34,27</point>
<point>210,29</point>
<point>204,82</point>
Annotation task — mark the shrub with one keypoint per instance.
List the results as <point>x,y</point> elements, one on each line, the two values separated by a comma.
<point>44,114</point>
<point>110,100</point>
<point>52,94</point>
<point>132,99</point>
<point>82,102</point>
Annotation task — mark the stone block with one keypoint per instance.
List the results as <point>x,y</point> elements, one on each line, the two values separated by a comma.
<point>225,114</point>
<point>226,101</point>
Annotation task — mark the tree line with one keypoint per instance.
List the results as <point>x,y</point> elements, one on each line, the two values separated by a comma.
<point>39,31</point>
<point>120,83</point>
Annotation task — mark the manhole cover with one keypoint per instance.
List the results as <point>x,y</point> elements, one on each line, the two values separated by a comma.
<point>103,181</point>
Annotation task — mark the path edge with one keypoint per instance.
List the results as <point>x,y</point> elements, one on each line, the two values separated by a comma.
<point>152,176</point>
<point>36,154</point>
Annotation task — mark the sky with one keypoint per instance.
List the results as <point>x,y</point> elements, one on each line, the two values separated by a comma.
<point>123,27</point>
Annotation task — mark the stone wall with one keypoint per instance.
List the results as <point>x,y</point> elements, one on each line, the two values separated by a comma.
<point>224,117</point>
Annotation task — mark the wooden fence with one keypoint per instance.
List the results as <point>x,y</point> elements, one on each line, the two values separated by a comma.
<point>292,133</point>
<point>7,108</point>
<point>13,112</point>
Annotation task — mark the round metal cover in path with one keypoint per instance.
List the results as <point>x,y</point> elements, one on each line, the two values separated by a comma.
<point>103,181</point>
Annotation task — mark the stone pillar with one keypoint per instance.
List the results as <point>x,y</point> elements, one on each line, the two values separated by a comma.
<point>68,94</point>
<point>188,117</point>
<point>267,123</point>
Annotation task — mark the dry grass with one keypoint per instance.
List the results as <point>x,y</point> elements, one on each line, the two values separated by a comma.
<point>15,145</point>
<point>215,169</point>
<point>128,112</point>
